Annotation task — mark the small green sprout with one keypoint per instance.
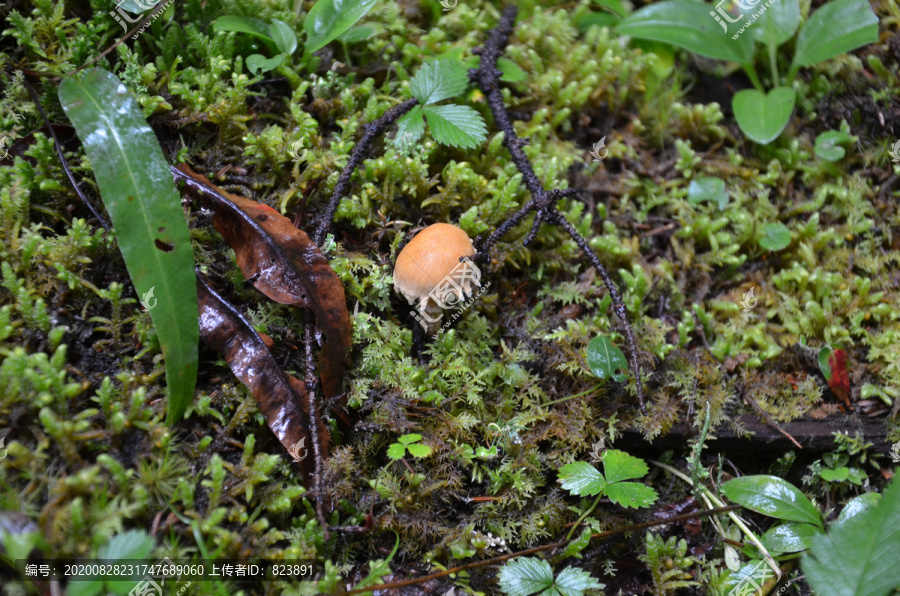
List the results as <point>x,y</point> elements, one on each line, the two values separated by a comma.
<point>409,443</point>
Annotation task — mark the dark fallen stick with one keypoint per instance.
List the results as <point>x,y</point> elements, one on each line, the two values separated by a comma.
<point>813,435</point>
<point>543,201</point>
<point>371,131</point>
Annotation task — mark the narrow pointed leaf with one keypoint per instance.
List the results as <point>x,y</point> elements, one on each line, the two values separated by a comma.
<point>329,18</point>
<point>285,265</point>
<point>282,399</point>
<point>140,197</point>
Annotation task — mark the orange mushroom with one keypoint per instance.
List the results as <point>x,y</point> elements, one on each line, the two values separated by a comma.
<point>429,272</point>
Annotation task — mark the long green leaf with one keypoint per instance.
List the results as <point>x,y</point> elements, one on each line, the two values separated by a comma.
<point>139,193</point>
<point>688,25</point>
<point>329,18</point>
<point>837,27</point>
<point>772,496</point>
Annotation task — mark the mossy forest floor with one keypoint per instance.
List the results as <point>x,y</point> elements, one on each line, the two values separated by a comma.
<point>82,389</point>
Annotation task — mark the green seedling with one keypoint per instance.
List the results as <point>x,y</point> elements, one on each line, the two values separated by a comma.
<point>409,443</point>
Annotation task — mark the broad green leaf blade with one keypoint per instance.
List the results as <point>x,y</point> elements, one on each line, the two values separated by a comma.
<point>772,496</point>
<point>606,360</point>
<point>573,582</point>
<point>839,26</point>
<point>396,450</point>
<point>329,18</point>
<point>410,128</point>
<point>630,494</point>
<point>133,544</point>
<point>776,236</point>
<point>511,71</point>
<point>828,144</point>
<point>777,24</point>
<point>762,117</point>
<point>855,506</point>
<point>457,126</point>
<point>358,33</point>
<point>708,189</point>
<point>688,25</point>
<point>139,194</point>
<point>859,557</point>
<point>238,24</point>
<point>419,450</point>
<point>438,80</point>
<point>410,438</point>
<point>257,63</point>
<point>790,537</point>
<point>283,36</point>
<point>525,576</point>
<point>618,466</point>
<point>582,479</point>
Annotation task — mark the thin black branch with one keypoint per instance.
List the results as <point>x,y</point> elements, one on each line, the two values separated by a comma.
<point>543,201</point>
<point>62,158</point>
<point>371,131</point>
<point>310,380</point>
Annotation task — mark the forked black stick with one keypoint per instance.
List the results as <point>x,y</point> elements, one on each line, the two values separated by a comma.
<point>543,201</point>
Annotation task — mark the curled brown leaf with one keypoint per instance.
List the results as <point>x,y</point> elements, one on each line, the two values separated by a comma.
<point>282,398</point>
<point>282,263</point>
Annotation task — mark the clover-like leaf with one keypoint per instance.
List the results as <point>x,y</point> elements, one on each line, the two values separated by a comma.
<point>396,450</point>
<point>582,479</point>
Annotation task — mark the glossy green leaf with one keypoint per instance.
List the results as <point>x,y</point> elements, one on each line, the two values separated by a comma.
<point>358,33</point>
<point>762,117</point>
<point>777,24</point>
<point>835,475</point>
<point>687,24</point>
<point>859,556</point>
<point>630,494</point>
<point>772,496</point>
<point>606,360</point>
<point>139,193</point>
<point>254,27</point>
<point>708,189</point>
<point>329,18</point>
<point>438,80</point>
<point>838,27</point>
<point>258,64</point>
<point>790,537</point>
<point>615,6</point>
<point>582,479</point>
<point>396,450</point>
<point>824,365</point>
<point>283,36</point>
<point>456,126</point>
<point>828,144</point>
<point>855,506</point>
<point>525,576</point>
<point>618,466</point>
<point>596,19</point>
<point>776,236</point>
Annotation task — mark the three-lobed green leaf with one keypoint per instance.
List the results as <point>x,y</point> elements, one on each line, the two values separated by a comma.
<point>584,480</point>
<point>772,496</point>
<point>139,193</point>
<point>529,575</point>
<point>328,19</point>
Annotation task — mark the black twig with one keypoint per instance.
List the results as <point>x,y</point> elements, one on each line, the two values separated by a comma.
<point>371,131</point>
<point>62,158</point>
<point>543,201</point>
<point>310,381</point>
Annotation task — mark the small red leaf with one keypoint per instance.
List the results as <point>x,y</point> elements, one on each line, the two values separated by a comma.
<point>840,375</point>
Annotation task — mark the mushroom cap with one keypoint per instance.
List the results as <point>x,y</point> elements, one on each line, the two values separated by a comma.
<point>430,257</point>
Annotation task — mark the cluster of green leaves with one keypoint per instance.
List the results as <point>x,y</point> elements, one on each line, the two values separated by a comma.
<point>454,125</point>
<point>326,21</point>
<point>408,443</point>
<point>583,479</point>
<point>839,26</point>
